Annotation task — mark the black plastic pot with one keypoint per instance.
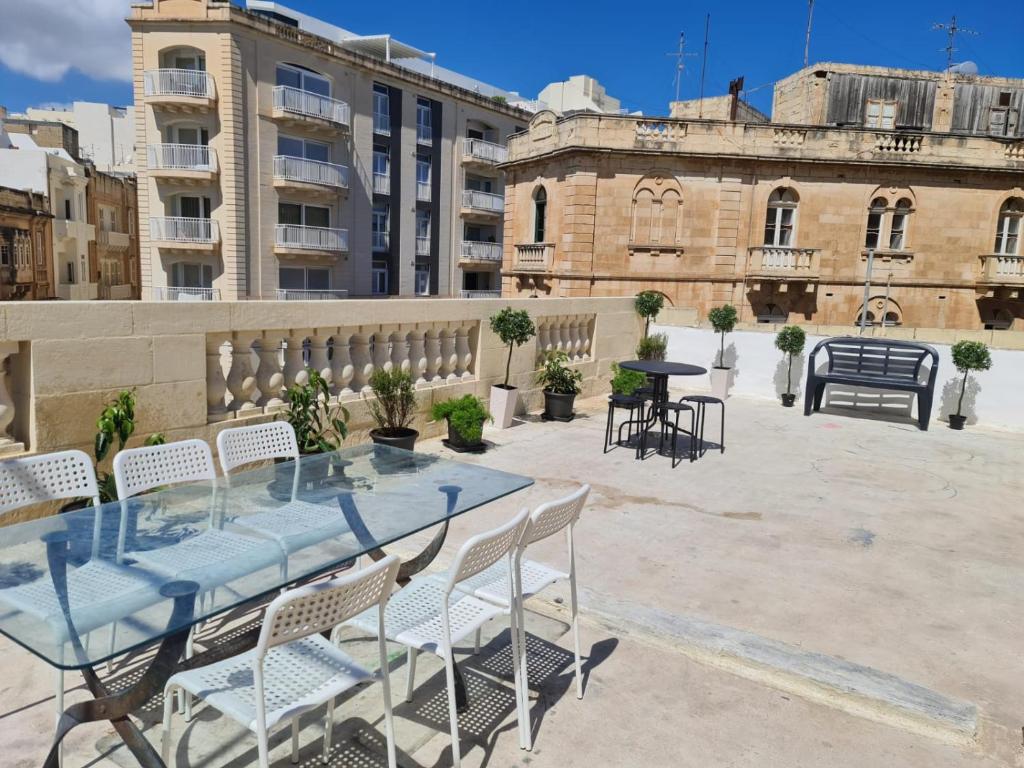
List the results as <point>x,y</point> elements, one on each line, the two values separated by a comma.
<point>457,442</point>
<point>957,422</point>
<point>558,406</point>
<point>404,438</point>
<point>788,399</point>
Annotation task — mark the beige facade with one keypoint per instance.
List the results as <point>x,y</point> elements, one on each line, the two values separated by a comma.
<point>230,209</point>
<point>774,218</point>
<point>113,211</point>
<point>26,242</point>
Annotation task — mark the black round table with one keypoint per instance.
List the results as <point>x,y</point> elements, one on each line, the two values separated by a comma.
<point>659,371</point>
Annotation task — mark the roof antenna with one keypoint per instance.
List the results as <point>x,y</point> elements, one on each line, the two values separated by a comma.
<point>807,40</point>
<point>951,29</point>
<point>703,66</point>
<point>680,56</point>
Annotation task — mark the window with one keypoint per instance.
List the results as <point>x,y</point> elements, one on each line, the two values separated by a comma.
<point>304,148</point>
<point>540,211</point>
<point>1001,320</point>
<point>422,280</point>
<point>381,170</point>
<point>192,207</point>
<point>778,227</point>
<point>188,60</point>
<point>379,277</point>
<point>67,209</point>
<point>304,79</point>
<point>69,275</point>
<point>1002,121</point>
<point>303,215</point>
<point>898,228</point>
<point>423,178</point>
<point>880,114</point>
<point>185,275</point>
<point>424,132</point>
<point>193,135</point>
<point>381,109</point>
<point>5,249</point>
<point>479,184</point>
<point>1008,227</point>
<point>423,232</point>
<point>876,220</point>
<point>379,227</point>
<point>304,278</point>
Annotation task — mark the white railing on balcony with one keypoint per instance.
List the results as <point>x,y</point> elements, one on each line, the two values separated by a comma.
<point>293,294</point>
<point>181,229</point>
<point>380,241</point>
<point>1003,268</point>
<point>784,260</point>
<point>480,294</point>
<point>178,82</point>
<point>296,101</point>
<point>310,171</point>
<point>423,191</point>
<point>478,251</point>
<point>174,293</point>
<point>534,257</point>
<point>382,123</point>
<point>311,238</point>
<point>422,246</point>
<point>484,151</point>
<point>381,184</point>
<point>424,134</point>
<point>183,157</point>
<point>482,201</point>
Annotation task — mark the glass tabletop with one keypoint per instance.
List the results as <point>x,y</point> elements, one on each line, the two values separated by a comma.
<point>238,539</point>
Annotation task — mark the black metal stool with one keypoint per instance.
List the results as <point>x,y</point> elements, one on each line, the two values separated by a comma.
<point>664,409</point>
<point>627,402</point>
<point>702,401</point>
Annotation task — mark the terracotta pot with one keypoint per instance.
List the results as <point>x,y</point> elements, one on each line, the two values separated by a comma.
<point>957,422</point>
<point>558,406</point>
<point>404,438</point>
<point>503,405</point>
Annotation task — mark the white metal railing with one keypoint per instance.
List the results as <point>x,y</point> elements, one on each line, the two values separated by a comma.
<point>424,134</point>
<point>293,294</point>
<point>534,256</point>
<point>310,171</point>
<point>185,157</point>
<point>423,191</point>
<point>478,251</point>
<point>1003,267</point>
<point>380,241</point>
<point>178,82</point>
<point>181,229</point>
<point>480,294</point>
<point>422,246</point>
<point>482,201</point>
<point>382,123</point>
<point>174,293</point>
<point>775,259</point>
<point>484,151</point>
<point>311,238</point>
<point>308,104</point>
<point>381,184</point>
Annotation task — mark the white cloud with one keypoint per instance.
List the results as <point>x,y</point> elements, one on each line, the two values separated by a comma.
<point>43,39</point>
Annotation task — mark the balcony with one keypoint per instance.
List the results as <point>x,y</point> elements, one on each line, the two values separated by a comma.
<point>475,251</point>
<point>476,203</point>
<point>479,294</point>
<point>534,257</point>
<point>115,291</point>
<point>70,229</point>
<point>380,241</point>
<point>175,293</point>
<point>184,233</point>
<point>300,174</point>
<point>424,135</point>
<point>179,90</point>
<point>189,163</point>
<point>423,191</point>
<point>77,291</point>
<point>115,241</point>
<point>293,294</point>
<point>484,153</point>
<point>382,123</point>
<point>311,110</point>
<point>381,184</point>
<point>1002,274</point>
<point>422,246</point>
<point>296,239</point>
<point>784,265</point>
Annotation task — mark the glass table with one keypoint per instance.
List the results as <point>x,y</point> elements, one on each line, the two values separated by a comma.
<point>80,588</point>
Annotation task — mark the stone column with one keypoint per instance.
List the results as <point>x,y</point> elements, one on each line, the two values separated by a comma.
<point>269,378</point>
<point>241,381</point>
<point>7,443</point>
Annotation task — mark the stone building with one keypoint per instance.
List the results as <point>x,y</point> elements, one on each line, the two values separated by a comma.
<point>113,210</point>
<point>923,170</point>
<point>25,245</point>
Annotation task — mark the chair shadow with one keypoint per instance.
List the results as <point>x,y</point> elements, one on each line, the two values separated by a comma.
<point>869,404</point>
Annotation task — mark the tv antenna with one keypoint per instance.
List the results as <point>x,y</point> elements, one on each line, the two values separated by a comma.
<point>952,29</point>
<point>680,56</point>
<point>807,39</point>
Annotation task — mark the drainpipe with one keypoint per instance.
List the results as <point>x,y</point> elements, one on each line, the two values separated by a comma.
<point>867,291</point>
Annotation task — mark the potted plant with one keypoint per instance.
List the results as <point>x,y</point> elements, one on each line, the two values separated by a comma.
<point>648,304</point>
<point>465,416</point>
<point>652,347</point>
<point>514,327</point>
<point>967,356</point>
<point>625,381</point>
<point>320,426</point>
<point>393,408</point>
<point>790,341</point>
<point>723,320</point>
<point>561,385</point>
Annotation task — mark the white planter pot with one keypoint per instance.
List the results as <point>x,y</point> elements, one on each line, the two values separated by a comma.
<point>721,382</point>
<point>503,406</point>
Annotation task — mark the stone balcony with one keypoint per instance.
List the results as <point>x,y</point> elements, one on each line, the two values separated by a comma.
<point>1002,275</point>
<point>534,257</point>
<point>784,265</point>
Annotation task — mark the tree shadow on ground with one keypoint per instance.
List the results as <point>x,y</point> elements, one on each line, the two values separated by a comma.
<point>779,379</point>
<point>951,393</point>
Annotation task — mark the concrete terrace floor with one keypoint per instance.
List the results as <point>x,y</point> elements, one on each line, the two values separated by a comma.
<point>769,606</point>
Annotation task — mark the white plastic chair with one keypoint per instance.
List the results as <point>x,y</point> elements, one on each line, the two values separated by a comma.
<point>431,615</point>
<point>530,578</point>
<point>293,669</point>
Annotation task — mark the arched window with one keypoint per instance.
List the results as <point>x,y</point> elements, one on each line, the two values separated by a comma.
<point>657,211</point>
<point>1008,227</point>
<point>876,222</point>
<point>781,220</point>
<point>898,228</point>
<point>772,313</point>
<point>540,211</point>
<point>870,318</point>
<point>183,58</point>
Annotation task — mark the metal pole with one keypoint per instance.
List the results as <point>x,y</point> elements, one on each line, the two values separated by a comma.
<point>807,41</point>
<point>885,304</point>
<point>867,290</point>
<point>703,66</point>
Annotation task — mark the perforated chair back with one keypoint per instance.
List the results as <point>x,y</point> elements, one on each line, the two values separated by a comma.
<point>485,549</point>
<point>316,608</point>
<point>554,516</point>
<point>49,477</point>
<point>260,442</point>
<point>137,470</point>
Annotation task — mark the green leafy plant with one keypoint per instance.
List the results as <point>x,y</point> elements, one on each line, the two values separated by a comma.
<point>625,381</point>
<point>969,356</point>
<point>652,347</point>
<point>116,424</point>
<point>514,327</point>
<point>466,415</point>
<point>790,340</point>
<point>648,304</point>
<point>499,99</point>
<point>320,426</point>
<point>723,319</point>
<point>394,406</point>
<point>558,378</point>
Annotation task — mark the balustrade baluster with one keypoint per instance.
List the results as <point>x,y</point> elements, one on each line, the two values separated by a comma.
<point>362,363</point>
<point>432,352</point>
<point>318,359</point>
<point>417,358</point>
<point>449,360</point>
<point>241,380</point>
<point>463,354</point>
<point>294,362</point>
<point>342,370</point>
<point>399,351</point>
<point>7,442</point>
<point>269,377</point>
<point>216,385</point>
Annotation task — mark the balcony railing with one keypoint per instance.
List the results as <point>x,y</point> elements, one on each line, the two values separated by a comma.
<point>381,184</point>
<point>296,101</point>
<point>482,151</point>
<point>482,201</point>
<point>424,134</point>
<point>422,246</point>
<point>423,191</point>
<point>181,229</point>
<point>310,171</point>
<point>785,262</point>
<point>293,294</point>
<point>480,294</point>
<point>534,257</point>
<point>182,157</point>
<point>110,239</point>
<point>311,238</point>
<point>174,293</point>
<point>478,251</point>
<point>1002,268</point>
<point>178,82</point>
<point>380,241</point>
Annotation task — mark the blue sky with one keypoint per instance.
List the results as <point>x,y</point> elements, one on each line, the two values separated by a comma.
<point>550,41</point>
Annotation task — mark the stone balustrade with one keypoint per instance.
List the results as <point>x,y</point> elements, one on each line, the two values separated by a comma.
<point>571,334</point>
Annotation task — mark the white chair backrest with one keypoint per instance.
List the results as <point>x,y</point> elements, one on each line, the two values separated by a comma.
<point>260,442</point>
<point>485,549</point>
<point>552,517</point>
<point>137,470</point>
<point>49,477</point>
<point>315,608</point>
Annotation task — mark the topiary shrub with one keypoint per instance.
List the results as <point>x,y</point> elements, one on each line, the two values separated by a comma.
<point>969,356</point>
<point>790,340</point>
<point>514,327</point>
<point>648,304</point>
<point>723,319</point>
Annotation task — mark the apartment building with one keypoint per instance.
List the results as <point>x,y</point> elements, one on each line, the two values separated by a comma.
<point>909,182</point>
<point>106,134</point>
<point>288,158</point>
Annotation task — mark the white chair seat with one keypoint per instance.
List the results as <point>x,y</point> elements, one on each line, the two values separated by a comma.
<point>492,584</point>
<point>412,617</point>
<point>211,558</point>
<point>297,524</point>
<point>298,676</point>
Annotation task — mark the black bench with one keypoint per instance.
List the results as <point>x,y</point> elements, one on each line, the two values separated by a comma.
<point>876,364</point>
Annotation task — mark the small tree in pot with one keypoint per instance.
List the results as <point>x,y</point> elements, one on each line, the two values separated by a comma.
<point>652,347</point>
<point>561,385</point>
<point>648,304</point>
<point>790,340</point>
<point>967,356</point>
<point>465,416</point>
<point>723,319</point>
<point>514,327</point>
<point>393,408</point>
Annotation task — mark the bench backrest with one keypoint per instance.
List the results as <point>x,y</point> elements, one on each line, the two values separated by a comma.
<point>877,358</point>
